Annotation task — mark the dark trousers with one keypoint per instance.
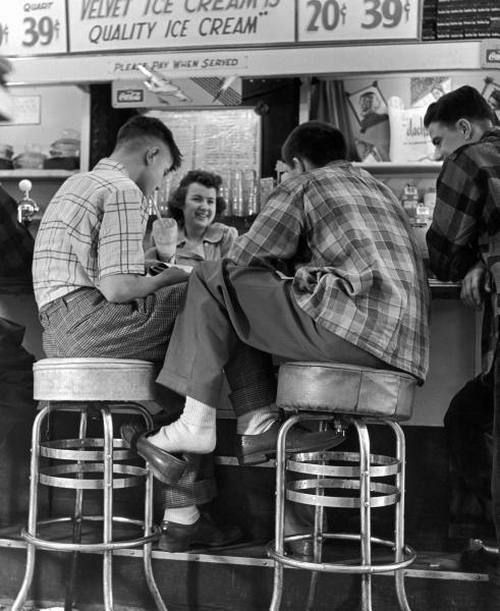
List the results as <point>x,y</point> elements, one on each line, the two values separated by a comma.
<point>495,481</point>
<point>469,426</point>
<point>232,320</point>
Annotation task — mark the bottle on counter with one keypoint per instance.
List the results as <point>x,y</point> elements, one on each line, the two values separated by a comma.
<point>409,200</point>
<point>237,201</point>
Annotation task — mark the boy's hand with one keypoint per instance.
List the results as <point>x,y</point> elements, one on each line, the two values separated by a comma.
<point>305,281</point>
<point>172,275</point>
<point>474,286</point>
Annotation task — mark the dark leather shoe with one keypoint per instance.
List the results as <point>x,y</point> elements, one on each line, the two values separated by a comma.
<point>165,466</point>
<point>299,520</point>
<point>203,533</point>
<point>254,449</point>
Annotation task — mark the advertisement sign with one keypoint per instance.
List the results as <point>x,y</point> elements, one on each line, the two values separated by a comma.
<point>110,26</point>
<point>490,53</point>
<point>176,93</point>
<point>357,20</point>
<point>33,28</point>
<point>113,25</point>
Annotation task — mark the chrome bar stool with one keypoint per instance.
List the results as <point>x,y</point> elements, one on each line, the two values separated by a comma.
<point>344,395</point>
<point>103,387</point>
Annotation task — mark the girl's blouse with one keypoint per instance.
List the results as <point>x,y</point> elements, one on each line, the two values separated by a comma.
<point>215,245</point>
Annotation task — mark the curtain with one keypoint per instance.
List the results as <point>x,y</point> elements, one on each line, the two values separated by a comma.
<point>329,103</point>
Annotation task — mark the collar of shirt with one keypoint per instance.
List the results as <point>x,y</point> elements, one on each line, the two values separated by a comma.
<point>107,164</point>
<point>213,234</point>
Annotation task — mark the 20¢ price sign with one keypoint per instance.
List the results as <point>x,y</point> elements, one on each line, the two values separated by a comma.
<point>357,20</point>
<point>33,28</point>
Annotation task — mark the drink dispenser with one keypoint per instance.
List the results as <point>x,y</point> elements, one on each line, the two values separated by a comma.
<point>27,207</point>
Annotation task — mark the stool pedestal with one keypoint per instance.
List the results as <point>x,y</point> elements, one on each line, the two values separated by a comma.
<point>84,463</point>
<point>338,479</point>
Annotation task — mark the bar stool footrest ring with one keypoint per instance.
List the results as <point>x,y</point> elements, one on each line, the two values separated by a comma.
<point>330,567</point>
<point>61,546</point>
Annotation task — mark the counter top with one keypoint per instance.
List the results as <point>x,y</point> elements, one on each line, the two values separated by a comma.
<point>444,290</point>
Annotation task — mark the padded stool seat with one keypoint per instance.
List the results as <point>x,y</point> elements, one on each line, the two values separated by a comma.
<point>94,388</point>
<point>349,397</point>
<point>93,379</point>
<point>347,389</point>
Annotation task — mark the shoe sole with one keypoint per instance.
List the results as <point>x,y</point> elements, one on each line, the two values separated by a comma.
<point>261,457</point>
<point>196,546</point>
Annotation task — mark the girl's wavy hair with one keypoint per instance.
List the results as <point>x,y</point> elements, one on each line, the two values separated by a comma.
<point>178,197</point>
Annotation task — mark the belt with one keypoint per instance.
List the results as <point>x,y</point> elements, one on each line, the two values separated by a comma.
<point>64,300</point>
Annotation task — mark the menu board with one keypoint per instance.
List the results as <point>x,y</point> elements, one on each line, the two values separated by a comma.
<point>337,20</point>
<point>218,140</point>
<point>100,26</point>
<point>33,28</point>
<point>97,26</point>
<point>226,142</point>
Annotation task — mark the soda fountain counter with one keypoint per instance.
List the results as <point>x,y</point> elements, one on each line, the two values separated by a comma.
<point>278,81</point>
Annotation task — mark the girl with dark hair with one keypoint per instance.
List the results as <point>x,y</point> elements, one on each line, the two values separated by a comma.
<point>195,205</point>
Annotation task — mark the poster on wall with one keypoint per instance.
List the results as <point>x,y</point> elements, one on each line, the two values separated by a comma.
<point>27,110</point>
<point>427,89</point>
<point>371,122</point>
<point>491,92</point>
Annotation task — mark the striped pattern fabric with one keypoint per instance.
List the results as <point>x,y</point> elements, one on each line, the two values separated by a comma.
<point>93,227</point>
<point>85,324</point>
<point>466,222</point>
<point>345,234</point>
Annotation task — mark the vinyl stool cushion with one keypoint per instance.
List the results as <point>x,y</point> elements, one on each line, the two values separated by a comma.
<point>93,379</point>
<point>347,389</point>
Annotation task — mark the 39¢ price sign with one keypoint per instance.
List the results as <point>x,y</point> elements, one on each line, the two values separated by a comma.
<point>32,28</point>
<point>357,20</point>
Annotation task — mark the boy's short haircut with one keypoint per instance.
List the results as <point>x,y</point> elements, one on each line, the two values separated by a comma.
<point>462,103</point>
<point>318,142</point>
<point>140,127</point>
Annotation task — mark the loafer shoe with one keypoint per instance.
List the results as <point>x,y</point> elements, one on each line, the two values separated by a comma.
<point>165,466</point>
<point>254,449</point>
<point>203,533</point>
<point>299,520</point>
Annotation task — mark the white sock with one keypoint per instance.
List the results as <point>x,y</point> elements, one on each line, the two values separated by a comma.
<point>194,431</point>
<point>181,515</point>
<point>257,421</point>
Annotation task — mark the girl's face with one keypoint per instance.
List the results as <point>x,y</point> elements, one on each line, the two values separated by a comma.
<point>199,206</point>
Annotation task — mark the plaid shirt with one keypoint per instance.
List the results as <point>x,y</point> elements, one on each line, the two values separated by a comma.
<point>466,223</point>
<point>16,242</point>
<point>93,227</point>
<point>347,233</point>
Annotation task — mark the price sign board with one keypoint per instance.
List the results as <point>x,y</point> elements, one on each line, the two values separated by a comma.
<point>114,25</point>
<point>32,28</point>
<point>357,20</point>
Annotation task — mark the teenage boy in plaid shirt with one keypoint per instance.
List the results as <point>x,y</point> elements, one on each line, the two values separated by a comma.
<point>464,237</point>
<point>357,293</point>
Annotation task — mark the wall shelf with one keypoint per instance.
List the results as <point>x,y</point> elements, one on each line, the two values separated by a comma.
<point>389,167</point>
<point>20,173</point>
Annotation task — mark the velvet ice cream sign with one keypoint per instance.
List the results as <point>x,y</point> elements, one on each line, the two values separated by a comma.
<point>112,25</point>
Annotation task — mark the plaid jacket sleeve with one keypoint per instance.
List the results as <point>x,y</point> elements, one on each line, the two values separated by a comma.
<point>276,231</point>
<point>452,238</point>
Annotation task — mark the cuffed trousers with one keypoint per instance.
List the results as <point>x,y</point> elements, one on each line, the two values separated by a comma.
<point>232,320</point>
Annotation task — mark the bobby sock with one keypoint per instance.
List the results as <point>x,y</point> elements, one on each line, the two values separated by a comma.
<point>194,431</point>
<point>181,515</point>
<point>257,421</point>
